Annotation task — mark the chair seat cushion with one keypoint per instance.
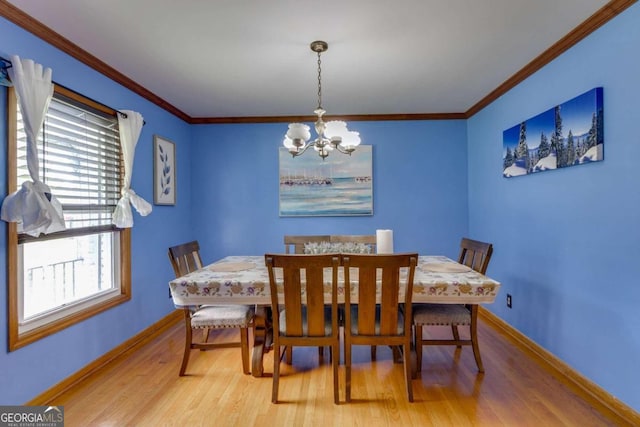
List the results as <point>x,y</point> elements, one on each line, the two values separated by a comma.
<point>222,316</point>
<point>327,321</point>
<point>354,320</point>
<point>441,314</point>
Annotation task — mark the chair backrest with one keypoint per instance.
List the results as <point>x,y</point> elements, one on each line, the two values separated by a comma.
<point>367,239</point>
<point>185,258</point>
<point>379,275</point>
<point>475,254</point>
<point>298,242</point>
<point>303,285</point>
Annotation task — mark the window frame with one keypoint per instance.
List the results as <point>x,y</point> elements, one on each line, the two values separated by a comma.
<point>17,339</point>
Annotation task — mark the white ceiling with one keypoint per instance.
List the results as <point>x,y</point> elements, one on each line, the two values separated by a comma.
<point>238,58</point>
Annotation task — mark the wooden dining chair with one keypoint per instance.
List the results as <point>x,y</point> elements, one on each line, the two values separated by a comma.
<point>297,243</point>
<point>185,258</point>
<point>476,255</point>
<point>300,316</point>
<point>370,240</point>
<point>377,317</point>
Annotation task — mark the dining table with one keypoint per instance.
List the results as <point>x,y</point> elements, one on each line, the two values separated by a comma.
<point>245,280</point>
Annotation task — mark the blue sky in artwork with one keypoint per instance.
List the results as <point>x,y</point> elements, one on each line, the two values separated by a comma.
<point>577,113</point>
<point>336,165</point>
<point>576,117</point>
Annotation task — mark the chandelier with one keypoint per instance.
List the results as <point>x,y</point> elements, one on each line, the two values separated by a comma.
<point>332,135</point>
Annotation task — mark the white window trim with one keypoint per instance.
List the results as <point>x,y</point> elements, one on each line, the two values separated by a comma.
<point>66,310</point>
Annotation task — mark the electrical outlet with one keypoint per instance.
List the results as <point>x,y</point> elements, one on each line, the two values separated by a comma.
<point>509,300</point>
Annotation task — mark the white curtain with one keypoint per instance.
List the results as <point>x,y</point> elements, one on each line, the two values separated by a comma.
<point>33,206</point>
<point>130,128</point>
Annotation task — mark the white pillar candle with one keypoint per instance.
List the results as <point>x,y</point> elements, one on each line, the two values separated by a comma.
<point>384,241</point>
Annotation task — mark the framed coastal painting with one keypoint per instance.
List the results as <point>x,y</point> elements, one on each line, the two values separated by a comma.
<point>569,134</point>
<point>164,171</point>
<point>340,185</point>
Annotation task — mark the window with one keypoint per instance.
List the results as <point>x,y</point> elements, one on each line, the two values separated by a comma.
<point>59,279</point>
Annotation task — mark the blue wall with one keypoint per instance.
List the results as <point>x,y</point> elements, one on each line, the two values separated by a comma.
<point>228,199</point>
<point>419,175</point>
<point>31,370</point>
<point>568,241</point>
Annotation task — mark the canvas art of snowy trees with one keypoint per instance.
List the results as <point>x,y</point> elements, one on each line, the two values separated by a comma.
<point>566,135</point>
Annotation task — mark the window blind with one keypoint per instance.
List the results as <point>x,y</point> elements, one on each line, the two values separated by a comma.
<point>80,160</point>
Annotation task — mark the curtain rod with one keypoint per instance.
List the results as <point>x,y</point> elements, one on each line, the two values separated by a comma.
<point>7,64</point>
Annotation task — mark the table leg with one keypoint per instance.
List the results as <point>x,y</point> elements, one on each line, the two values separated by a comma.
<point>414,363</point>
<point>398,357</point>
<point>397,353</point>
<point>261,341</point>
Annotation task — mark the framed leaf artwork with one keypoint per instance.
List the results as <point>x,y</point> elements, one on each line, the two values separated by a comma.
<point>164,171</point>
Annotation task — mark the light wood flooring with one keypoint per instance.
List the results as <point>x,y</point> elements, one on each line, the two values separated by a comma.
<point>142,388</point>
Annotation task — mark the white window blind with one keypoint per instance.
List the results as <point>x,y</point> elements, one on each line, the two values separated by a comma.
<point>80,160</point>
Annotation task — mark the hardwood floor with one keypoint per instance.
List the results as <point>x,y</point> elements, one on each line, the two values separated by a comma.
<point>143,388</point>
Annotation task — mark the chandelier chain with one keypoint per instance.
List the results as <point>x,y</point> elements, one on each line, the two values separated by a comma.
<point>319,81</point>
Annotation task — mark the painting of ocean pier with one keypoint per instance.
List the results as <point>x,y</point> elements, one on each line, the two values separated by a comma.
<point>340,185</point>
